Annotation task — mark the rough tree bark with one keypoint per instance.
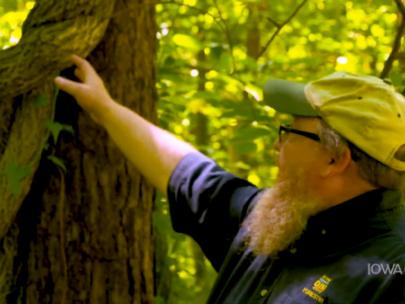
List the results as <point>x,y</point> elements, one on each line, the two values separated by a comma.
<point>84,235</point>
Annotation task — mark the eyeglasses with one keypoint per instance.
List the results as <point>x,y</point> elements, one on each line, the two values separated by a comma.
<point>282,130</point>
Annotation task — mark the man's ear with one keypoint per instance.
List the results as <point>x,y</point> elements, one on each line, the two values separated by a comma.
<point>338,165</point>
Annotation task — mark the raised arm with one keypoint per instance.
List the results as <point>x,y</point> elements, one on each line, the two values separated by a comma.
<point>153,151</point>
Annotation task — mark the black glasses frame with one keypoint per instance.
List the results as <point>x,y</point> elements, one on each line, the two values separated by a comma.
<point>306,134</point>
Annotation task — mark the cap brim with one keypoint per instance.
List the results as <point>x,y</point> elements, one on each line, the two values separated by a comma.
<point>287,97</point>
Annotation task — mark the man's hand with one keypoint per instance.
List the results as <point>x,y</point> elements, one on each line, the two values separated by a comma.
<point>153,151</point>
<point>90,93</point>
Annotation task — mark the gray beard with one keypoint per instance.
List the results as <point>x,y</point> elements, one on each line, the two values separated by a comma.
<point>280,216</point>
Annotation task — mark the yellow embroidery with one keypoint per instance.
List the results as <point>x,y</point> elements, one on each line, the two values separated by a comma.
<point>326,279</point>
<point>313,295</point>
<point>321,284</point>
<point>318,287</point>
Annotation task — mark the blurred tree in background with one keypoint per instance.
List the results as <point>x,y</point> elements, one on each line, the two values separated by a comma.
<point>212,60</point>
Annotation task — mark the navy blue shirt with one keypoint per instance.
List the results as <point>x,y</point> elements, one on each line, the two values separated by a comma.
<point>351,253</point>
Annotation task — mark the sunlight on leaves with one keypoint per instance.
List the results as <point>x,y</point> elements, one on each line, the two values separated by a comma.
<point>187,41</point>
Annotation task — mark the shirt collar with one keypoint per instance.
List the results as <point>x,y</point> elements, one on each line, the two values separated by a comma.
<point>344,226</point>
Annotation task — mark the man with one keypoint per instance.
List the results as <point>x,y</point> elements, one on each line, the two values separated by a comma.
<point>331,230</point>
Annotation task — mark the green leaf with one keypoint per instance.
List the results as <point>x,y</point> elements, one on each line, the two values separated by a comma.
<point>216,52</point>
<point>396,78</point>
<point>68,128</point>
<point>245,146</point>
<point>58,162</point>
<point>56,128</point>
<point>15,174</point>
<point>250,133</point>
<point>41,101</point>
<point>254,91</point>
<point>187,42</point>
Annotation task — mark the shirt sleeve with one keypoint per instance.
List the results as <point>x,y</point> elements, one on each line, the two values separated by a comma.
<point>208,203</point>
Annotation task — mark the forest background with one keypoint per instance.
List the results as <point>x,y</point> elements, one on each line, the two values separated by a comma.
<point>212,59</point>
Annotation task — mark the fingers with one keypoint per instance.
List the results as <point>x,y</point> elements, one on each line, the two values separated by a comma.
<point>84,71</point>
<point>79,74</point>
<point>81,63</point>
<point>69,86</point>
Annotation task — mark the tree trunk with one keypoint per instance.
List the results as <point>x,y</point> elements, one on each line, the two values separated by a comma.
<point>85,236</point>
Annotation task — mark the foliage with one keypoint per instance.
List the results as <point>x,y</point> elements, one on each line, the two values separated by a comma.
<point>210,64</point>
<point>55,128</point>
<point>11,21</point>
<point>212,61</point>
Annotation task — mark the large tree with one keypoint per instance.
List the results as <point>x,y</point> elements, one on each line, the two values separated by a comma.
<point>75,216</point>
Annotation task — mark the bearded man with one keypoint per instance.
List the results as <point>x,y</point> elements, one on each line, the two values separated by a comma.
<point>332,228</point>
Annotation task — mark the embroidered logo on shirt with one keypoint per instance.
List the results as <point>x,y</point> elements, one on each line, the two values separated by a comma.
<point>318,288</point>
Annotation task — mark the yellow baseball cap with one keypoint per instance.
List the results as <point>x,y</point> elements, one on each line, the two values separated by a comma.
<point>365,110</point>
